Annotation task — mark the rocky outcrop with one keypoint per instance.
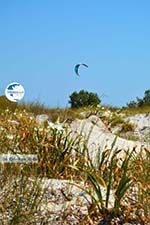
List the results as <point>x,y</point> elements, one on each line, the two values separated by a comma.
<point>142,126</point>
<point>99,137</point>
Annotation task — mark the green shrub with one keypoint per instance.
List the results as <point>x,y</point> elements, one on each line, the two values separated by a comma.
<point>83,98</point>
<point>140,101</point>
<point>116,120</point>
<point>127,126</point>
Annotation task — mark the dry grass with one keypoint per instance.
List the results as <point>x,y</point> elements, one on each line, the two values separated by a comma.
<point>136,110</point>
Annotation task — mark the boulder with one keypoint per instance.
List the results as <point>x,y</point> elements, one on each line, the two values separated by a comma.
<point>142,129</point>
<point>42,118</point>
<point>99,137</point>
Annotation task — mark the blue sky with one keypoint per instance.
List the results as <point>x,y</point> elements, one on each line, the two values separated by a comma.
<point>42,41</point>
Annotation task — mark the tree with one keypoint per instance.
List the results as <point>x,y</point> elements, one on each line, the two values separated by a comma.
<point>146,98</point>
<point>83,98</point>
<point>141,101</point>
<point>132,104</point>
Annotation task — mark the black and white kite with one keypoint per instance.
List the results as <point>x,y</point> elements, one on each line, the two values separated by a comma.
<point>77,68</point>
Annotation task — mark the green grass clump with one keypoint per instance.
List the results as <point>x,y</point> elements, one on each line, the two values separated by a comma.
<point>121,176</point>
<point>20,199</point>
<point>127,126</point>
<point>116,120</point>
<point>141,172</point>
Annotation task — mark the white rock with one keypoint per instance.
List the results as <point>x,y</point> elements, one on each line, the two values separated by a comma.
<point>42,118</point>
<point>98,138</point>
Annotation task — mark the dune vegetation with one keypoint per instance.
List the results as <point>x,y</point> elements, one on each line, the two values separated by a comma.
<point>60,156</point>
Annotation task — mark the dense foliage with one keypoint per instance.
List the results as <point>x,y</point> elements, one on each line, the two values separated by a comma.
<point>83,98</point>
<point>140,101</point>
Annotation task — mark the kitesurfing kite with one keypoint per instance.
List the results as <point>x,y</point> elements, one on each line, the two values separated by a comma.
<point>77,68</point>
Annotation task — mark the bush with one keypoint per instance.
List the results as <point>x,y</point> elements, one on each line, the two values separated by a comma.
<point>116,120</point>
<point>83,98</point>
<point>132,104</point>
<point>127,126</point>
<point>140,101</point>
